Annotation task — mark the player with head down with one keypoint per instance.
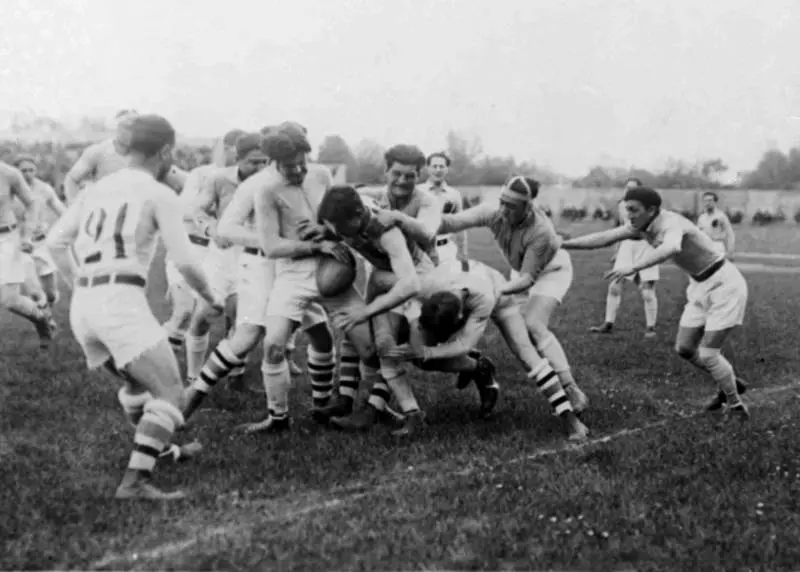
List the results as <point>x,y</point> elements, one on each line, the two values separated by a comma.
<point>404,165</point>
<point>285,201</point>
<point>399,263</point>
<point>541,273</point>
<point>716,295</point>
<point>456,307</point>
<point>256,274</point>
<point>114,227</point>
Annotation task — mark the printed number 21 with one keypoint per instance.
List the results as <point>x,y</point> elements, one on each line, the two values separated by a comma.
<point>95,225</point>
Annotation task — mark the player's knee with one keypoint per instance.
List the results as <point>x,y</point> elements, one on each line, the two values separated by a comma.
<point>684,350</point>
<point>274,351</point>
<point>538,331</point>
<point>320,337</point>
<point>615,289</point>
<point>168,413</point>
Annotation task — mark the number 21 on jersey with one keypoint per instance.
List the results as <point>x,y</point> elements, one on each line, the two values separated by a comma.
<point>105,227</point>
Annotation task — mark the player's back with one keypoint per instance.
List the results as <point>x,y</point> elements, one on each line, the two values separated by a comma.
<point>118,229</point>
<point>108,159</point>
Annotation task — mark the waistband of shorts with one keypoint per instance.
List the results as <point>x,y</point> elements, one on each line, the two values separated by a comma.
<point>7,228</point>
<point>251,250</point>
<point>199,240</point>
<point>125,278</point>
<point>710,271</point>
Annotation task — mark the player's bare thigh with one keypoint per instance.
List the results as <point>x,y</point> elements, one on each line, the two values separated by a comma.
<point>156,370</point>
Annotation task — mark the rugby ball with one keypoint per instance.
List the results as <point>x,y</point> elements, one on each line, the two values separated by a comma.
<point>335,277</point>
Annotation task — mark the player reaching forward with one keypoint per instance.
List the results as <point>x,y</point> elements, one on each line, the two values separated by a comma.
<point>541,272</point>
<point>628,253</point>
<point>41,264</point>
<point>15,240</point>
<point>717,291</point>
<point>114,227</point>
<point>456,307</point>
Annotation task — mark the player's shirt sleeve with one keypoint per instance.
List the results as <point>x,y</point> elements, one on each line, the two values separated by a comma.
<point>479,304</point>
<point>169,217</point>
<point>65,230</point>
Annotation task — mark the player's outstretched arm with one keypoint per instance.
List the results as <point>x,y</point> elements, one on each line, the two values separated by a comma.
<point>393,243</point>
<point>599,239</point>
<point>169,220</point>
<point>83,168</point>
<point>669,247</point>
<point>730,237</point>
<point>61,237</point>
<point>54,203</point>
<point>481,215</point>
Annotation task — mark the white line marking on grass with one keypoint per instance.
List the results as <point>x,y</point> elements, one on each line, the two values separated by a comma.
<point>281,510</point>
<point>773,255</point>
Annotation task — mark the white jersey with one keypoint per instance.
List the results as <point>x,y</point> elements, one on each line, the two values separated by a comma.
<point>44,194</point>
<point>115,225</point>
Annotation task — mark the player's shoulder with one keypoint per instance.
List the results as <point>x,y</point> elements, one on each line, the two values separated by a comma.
<point>268,181</point>
<point>380,223</point>
<point>9,171</point>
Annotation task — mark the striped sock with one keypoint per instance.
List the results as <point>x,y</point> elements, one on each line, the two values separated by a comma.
<point>133,404</point>
<point>174,336</point>
<point>349,374</point>
<point>550,386</point>
<point>320,369</point>
<point>380,395</point>
<point>220,363</point>
<point>153,434</point>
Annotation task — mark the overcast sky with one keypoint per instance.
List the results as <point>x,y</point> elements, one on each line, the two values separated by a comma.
<point>565,83</point>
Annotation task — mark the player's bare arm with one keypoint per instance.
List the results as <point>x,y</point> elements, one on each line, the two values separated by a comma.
<point>54,203</point>
<point>408,284</point>
<point>666,250</point>
<point>84,168</point>
<point>600,239</point>
<point>481,215</point>
<point>21,190</point>
<point>429,217</point>
<point>233,224</point>
<point>169,218</point>
<point>460,237</point>
<point>730,237</point>
<point>61,237</point>
<point>205,207</point>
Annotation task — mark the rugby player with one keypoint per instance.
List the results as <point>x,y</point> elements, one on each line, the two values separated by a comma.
<point>716,295</point>
<point>449,247</point>
<point>180,293</point>
<point>41,274</point>
<point>220,262</point>
<point>288,200</point>
<point>15,242</point>
<point>715,223</point>
<point>397,263</point>
<point>109,156</point>
<point>114,226</point>
<point>628,253</point>
<point>456,307</point>
<point>539,267</point>
<point>254,283</point>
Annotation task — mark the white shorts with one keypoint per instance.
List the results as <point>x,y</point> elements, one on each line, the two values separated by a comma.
<point>12,261</point>
<point>254,287</point>
<point>113,321</point>
<point>719,246</point>
<point>45,265</point>
<point>295,291</point>
<point>447,251</point>
<point>222,268</point>
<point>717,303</point>
<point>632,251</point>
<point>553,282</point>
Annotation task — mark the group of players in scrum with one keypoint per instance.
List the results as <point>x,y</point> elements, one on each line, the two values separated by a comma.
<point>259,227</point>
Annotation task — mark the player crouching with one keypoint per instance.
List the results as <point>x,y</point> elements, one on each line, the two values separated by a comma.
<point>456,307</point>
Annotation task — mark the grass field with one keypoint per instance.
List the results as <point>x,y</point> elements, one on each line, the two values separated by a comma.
<point>660,486</point>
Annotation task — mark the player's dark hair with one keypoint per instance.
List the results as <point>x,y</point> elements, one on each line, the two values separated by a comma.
<point>405,155</point>
<point>339,204</point>
<point>441,155</point>
<point>645,195</point>
<point>229,139</point>
<point>441,315</point>
<point>23,158</point>
<point>711,194</point>
<point>284,141</point>
<point>636,180</point>
<point>246,143</point>
<point>149,135</point>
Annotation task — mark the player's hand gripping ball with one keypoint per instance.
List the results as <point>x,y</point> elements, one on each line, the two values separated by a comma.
<point>336,274</point>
